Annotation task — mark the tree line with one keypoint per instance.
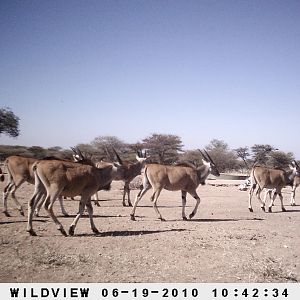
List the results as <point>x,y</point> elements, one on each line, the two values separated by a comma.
<point>161,148</point>
<point>166,149</point>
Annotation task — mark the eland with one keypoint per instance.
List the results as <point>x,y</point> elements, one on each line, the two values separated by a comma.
<point>185,178</point>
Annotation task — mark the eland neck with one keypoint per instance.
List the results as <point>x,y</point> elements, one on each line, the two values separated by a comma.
<point>202,173</point>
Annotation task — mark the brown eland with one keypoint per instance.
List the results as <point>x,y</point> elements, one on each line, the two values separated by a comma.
<point>184,178</point>
<point>271,178</point>
<point>68,179</point>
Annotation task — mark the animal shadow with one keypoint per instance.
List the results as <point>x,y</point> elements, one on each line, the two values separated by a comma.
<point>225,220</point>
<point>128,233</point>
<point>25,221</point>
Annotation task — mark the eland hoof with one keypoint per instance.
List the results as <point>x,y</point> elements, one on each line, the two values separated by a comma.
<point>63,232</point>
<point>71,230</point>
<point>95,230</point>
<point>31,232</point>
<point>191,216</point>
<point>6,213</point>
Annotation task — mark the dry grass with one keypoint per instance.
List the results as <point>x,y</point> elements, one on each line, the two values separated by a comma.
<point>269,270</point>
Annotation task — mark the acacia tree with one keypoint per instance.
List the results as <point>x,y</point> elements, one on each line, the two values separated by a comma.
<point>87,149</point>
<point>224,158</point>
<point>280,159</point>
<point>191,156</point>
<point>261,153</point>
<point>243,153</point>
<point>9,122</point>
<point>164,148</point>
<point>38,152</point>
<point>104,144</point>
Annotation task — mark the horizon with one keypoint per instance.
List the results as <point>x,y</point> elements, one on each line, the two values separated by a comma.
<point>184,149</point>
<point>202,70</point>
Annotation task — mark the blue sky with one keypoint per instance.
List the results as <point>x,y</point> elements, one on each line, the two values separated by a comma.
<point>75,70</point>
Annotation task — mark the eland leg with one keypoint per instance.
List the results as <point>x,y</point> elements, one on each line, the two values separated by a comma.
<point>293,202</point>
<point>183,198</point>
<point>6,192</point>
<point>11,188</point>
<point>262,204</point>
<point>64,212</point>
<point>128,194</point>
<point>96,199</point>
<point>197,198</point>
<point>48,205</point>
<point>251,191</point>
<point>138,197</point>
<point>281,201</point>
<point>19,206</point>
<point>155,198</point>
<point>126,190</point>
<point>273,197</point>
<point>91,212</point>
<point>82,205</point>
<point>35,199</point>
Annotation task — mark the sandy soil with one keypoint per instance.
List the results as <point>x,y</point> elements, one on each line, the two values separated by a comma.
<point>223,243</point>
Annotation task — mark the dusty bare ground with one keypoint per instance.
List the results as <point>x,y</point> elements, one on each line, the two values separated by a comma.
<point>224,243</point>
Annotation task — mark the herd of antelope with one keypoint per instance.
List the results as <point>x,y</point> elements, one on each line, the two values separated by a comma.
<point>55,178</point>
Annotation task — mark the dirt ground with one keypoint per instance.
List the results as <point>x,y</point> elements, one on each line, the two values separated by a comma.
<point>223,243</point>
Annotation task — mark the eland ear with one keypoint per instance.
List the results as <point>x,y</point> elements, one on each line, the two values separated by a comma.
<point>140,159</point>
<point>206,163</point>
<point>116,164</point>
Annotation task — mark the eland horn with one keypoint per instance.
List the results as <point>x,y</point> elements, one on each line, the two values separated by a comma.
<point>108,154</point>
<point>209,157</point>
<point>118,157</point>
<point>203,155</point>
